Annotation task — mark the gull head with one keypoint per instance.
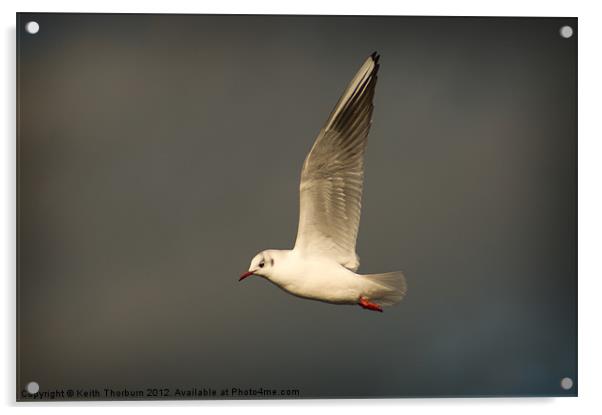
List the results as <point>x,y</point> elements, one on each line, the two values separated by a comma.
<point>261,265</point>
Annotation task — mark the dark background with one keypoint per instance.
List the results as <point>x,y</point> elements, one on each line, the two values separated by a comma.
<point>157,154</point>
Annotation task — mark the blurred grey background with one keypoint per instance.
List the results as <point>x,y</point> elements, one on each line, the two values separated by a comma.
<point>157,154</point>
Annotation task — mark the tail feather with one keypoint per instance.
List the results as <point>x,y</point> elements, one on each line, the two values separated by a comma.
<point>388,288</point>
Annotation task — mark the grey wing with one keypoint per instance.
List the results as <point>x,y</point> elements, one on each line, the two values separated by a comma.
<point>333,173</point>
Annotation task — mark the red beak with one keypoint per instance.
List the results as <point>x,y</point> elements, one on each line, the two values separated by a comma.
<point>245,275</point>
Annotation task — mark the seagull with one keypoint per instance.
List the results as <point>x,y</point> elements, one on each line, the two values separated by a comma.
<point>323,263</point>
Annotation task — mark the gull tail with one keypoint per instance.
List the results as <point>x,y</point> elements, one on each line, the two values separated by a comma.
<point>388,288</point>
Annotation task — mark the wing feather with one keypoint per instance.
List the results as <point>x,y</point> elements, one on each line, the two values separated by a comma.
<point>333,172</point>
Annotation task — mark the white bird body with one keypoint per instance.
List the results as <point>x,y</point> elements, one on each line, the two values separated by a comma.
<point>316,278</point>
<point>323,262</point>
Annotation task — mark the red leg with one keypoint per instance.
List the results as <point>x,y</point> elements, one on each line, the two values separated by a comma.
<point>369,306</point>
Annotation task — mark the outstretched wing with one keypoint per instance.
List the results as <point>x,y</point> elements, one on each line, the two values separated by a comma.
<point>333,173</point>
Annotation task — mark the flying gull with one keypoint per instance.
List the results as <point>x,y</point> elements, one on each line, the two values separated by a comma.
<point>322,265</point>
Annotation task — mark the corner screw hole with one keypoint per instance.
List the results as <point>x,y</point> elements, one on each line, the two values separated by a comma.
<point>32,388</point>
<point>566,383</point>
<point>32,27</point>
<point>566,31</point>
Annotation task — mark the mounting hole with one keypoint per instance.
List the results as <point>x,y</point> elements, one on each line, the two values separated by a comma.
<point>32,388</point>
<point>566,383</point>
<point>32,28</point>
<point>566,31</point>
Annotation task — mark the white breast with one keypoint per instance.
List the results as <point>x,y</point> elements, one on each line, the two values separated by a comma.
<point>318,278</point>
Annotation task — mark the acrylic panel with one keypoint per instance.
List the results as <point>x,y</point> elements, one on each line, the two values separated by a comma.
<point>160,155</point>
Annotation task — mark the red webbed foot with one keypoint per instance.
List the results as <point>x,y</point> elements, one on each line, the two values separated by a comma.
<point>369,306</point>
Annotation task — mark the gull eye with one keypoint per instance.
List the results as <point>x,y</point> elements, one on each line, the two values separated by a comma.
<point>261,264</point>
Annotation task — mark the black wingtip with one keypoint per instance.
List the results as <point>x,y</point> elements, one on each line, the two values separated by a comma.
<point>375,56</point>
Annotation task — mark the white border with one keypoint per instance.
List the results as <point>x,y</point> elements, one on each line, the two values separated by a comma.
<point>590,200</point>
